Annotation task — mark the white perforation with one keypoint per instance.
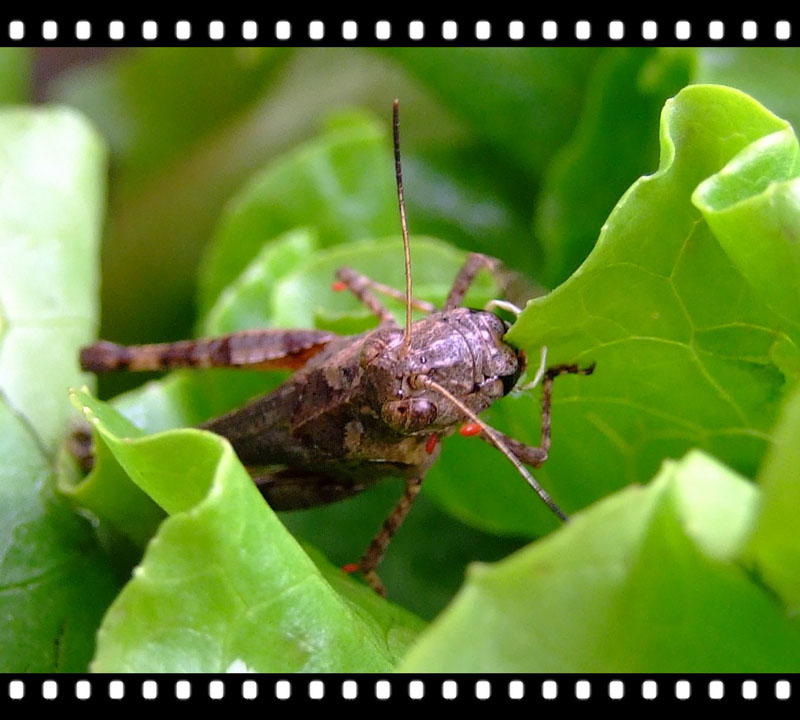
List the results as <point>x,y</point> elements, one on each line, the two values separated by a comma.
<point>483,30</point>
<point>716,690</point>
<point>149,29</point>
<point>549,690</point>
<point>516,30</point>
<point>683,690</point>
<point>683,30</point>
<point>249,689</point>
<point>616,690</point>
<point>283,690</point>
<point>216,30</point>
<point>749,690</point>
<point>116,30</point>
<point>283,30</point>
<point>783,30</point>
<point>783,689</point>
<point>316,30</point>
<point>349,29</point>
<point>49,30</point>
<point>383,30</point>
<point>216,690</point>
<point>449,30</point>
<point>183,30</point>
<point>616,30</point>
<point>349,689</point>
<point>16,690</point>
<point>649,30</point>
<point>583,690</point>
<point>416,30</point>
<point>649,690</point>
<point>549,30</point>
<point>316,690</point>
<point>516,690</point>
<point>116,690</point>
<point>716,30</point>
<point>483,690</point>
<point>449,690</point>
<point>749,30</point>
<point>416,690</point>
<point>49,690</point>
<point>383,690</point>
<point>583,30</point>
<point>249,30</point>
<point>149,690</point>
<point>83,30</point>
<point>183,690</point>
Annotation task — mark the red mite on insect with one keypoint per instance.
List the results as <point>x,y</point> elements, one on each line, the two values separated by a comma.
<point>361,408</point>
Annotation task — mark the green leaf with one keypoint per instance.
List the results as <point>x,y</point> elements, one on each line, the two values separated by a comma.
<point>223,584</point>
<point>304,298</point>
<point>337,184</point>
<point>752,205</point>
<point>461,191</point>
<point>645,581</point>
<point>774,547</point>
<point>768,74</point>
<point>682,345</point>
<point>15,74</point>
<point>54,582</point>
<point>246,303</point>
<point>497,89</point>
<point>613,144</point>
<point>153,104</point>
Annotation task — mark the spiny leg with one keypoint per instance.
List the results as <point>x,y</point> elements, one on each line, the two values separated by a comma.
<point>475,262</point>
<point>377,548</point>
<point>530,454</point>
<point>271,348</point>
<point>385,290</point>
<point>360,285</point>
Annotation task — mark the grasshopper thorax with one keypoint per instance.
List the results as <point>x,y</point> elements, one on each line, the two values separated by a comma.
<point>462,350</point>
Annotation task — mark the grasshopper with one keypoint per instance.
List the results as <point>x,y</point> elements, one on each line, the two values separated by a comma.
<point>361,408</point>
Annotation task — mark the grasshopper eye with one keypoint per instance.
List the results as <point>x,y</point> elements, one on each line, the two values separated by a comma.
<point>409,416</point>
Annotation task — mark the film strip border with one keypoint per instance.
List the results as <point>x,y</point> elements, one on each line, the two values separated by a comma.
<point>466,688</point>
<point>455,32</point>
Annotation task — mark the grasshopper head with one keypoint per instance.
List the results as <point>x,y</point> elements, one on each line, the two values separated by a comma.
<point>462,350</point>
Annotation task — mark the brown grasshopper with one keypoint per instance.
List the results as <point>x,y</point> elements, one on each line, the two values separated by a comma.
<point>363,407</point>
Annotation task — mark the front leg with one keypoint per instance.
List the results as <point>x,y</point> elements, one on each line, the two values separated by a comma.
<point>475,262</point>
<point>360,285</point>
<point>530,454</point>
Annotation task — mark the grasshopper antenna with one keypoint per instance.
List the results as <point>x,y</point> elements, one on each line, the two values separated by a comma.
<point>401,202</point>
<point>496,440</point>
